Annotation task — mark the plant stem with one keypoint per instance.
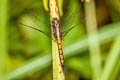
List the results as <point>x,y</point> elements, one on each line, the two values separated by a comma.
<point>57,69</point>
<point>3,23</point>
<point>112,59</point>
<point>91,25</point>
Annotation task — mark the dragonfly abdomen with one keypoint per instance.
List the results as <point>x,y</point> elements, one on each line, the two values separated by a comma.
<point>57,35</point>
<point>61,55</point>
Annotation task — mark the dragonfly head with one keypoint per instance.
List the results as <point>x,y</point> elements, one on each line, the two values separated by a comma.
<point>55,21</point>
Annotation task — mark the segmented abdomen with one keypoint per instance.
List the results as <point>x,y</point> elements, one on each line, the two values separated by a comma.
<point>61,55</point>
<point>57,36</point>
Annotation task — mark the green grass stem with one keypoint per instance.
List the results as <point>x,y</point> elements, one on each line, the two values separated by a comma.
<point>3,36</point>
<point>112,59</point>
<point>58,73</point>
<point>95,53</point>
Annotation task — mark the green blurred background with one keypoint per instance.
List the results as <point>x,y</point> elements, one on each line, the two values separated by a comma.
<point>25,54</point>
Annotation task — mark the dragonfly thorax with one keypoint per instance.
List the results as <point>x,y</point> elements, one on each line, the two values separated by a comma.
<point>55,22</point>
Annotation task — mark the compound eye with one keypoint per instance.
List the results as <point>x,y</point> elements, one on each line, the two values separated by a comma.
<point>58,21</point>
<point>53,22</point>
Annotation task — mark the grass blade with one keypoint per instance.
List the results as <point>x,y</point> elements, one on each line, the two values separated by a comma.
<point>58,73</point>
<point>112,59</point>
<point>3,42</point>
<point>95,54</point>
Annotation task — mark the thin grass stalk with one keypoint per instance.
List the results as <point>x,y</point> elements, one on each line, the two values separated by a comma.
<point>3,42</point>
<point>57,69</point>
<point>112,59</point>
<point>116,71</point>
<point>94,48</point>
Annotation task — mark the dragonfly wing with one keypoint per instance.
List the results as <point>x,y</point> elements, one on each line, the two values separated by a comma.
<point>44,32</point>
<point>67,22</point>
<point>64,33</point>
<point>35,15</point>
<point>36,18</point>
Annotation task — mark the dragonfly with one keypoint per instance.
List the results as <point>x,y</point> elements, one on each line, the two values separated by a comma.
<point>58,29</point>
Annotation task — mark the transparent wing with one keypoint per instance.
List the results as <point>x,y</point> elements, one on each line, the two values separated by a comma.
<point>68,25</point>
<point>68,20</point>
<point>64,33</point>
<point>44,32</point>
<point>38,18</point>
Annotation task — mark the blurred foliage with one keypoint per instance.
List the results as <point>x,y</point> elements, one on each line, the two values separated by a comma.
<point>29,51</point>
